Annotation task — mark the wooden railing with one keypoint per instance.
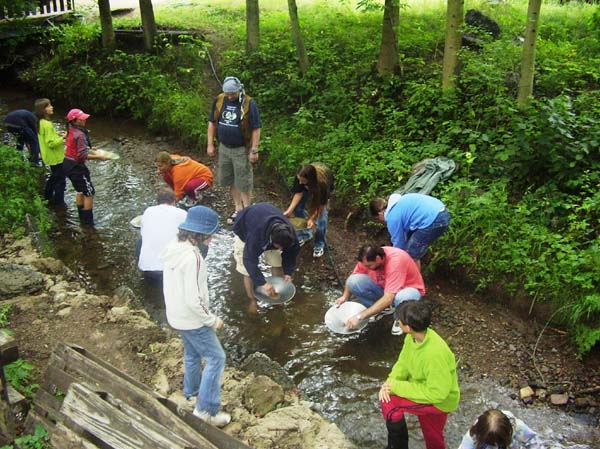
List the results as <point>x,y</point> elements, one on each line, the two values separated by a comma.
<point>43,7</point>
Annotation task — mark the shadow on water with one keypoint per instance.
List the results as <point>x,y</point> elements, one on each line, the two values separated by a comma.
<point>340,373</point>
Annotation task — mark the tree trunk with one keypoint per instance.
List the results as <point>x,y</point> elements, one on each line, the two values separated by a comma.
<point>454,20</point>
<point>388,54</point>
<point>148,23</point>
<point>528,61</point>
<point>252,26</point>
<point>108,33</point>
<point>297,36</point>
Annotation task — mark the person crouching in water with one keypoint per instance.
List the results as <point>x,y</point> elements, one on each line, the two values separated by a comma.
<point>77,152</point>
<point>312,189</point>
<point>185,288</point>
<point>185,176</point>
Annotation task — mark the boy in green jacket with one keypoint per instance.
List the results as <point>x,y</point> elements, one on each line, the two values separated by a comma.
<point>422,382</point>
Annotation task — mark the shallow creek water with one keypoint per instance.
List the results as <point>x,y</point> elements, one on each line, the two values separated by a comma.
<point>342,374</point>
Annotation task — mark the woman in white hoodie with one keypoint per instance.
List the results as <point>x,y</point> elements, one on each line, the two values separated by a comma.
<point>185,288</point>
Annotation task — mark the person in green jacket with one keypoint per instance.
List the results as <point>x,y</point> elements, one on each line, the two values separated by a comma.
<point>422,382</point>
<point>52,148</point>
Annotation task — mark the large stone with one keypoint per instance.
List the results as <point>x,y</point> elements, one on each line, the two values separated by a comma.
<point>262,395</point>
<point>296,427</point>
<point>260,364</point>
<point>18,280</point>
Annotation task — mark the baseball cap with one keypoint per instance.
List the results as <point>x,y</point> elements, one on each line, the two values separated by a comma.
<point>77,113</point>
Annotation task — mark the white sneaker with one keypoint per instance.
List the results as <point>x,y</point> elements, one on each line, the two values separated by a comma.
<point>396,329</point>
<point>318,252</point>
<point>221,419</point>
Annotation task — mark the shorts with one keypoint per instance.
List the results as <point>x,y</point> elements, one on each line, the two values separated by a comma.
<point>272,256</point>
<point>80,177</point>
<point>234,168</point>
<point>195,186</point>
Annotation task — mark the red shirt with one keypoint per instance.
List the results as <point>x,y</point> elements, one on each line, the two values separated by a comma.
<point>399,271</point>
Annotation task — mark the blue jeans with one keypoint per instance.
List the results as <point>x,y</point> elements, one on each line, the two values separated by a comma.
<point>198,344</point>
<point>420,239</point>
<point>26,135</point>
<point>368,292</point>
<point>321,223</point>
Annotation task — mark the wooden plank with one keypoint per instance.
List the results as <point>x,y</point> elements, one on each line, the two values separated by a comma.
<point>133,393</point>
<point>89,410</point>
<point>64,438</point>
<point>78,363</point>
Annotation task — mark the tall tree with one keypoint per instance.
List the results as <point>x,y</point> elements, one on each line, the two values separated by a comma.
<point>388,53</point>
<point>528,61</point>
<point>148,23</point>
<point>297,36</point>
<point>252,26</point>
<point>108,32</point>
<point>454,20</point>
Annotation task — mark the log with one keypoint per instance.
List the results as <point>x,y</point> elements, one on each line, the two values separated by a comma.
<point>120,428</point>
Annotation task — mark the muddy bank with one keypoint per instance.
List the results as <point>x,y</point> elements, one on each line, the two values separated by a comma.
<point>49,305</point>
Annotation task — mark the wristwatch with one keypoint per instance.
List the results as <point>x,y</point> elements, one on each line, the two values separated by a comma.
<point>253,151</point>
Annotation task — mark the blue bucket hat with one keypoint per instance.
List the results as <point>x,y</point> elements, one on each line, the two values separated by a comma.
<point>231,85</point>
<point>201,219</point>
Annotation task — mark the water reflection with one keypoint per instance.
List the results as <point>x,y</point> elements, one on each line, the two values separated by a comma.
<point>341,373</point>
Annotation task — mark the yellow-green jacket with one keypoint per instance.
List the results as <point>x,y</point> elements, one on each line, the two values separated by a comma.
<point>426,373</point>
<point>52,146</point>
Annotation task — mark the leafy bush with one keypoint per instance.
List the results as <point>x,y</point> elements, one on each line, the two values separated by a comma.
<point>38,440</point>
<point>20,193</point>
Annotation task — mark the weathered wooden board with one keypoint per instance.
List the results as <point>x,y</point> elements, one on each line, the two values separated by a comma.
<point>137,403</point>
<point>121,429</point>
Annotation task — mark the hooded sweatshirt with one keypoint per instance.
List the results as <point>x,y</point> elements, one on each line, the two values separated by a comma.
<point>185,287</point>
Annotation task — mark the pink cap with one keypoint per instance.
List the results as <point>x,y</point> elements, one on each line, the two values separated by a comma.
<point>77,113</point>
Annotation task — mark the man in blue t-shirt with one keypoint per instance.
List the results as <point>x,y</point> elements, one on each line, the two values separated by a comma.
<point>235,122</point>
<point>414,221</point>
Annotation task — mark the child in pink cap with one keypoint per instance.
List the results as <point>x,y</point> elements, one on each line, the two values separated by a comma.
<point>77,153</point>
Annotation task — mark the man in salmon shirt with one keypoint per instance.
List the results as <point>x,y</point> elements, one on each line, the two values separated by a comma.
<point>383,278</point>
<point>186,177</point>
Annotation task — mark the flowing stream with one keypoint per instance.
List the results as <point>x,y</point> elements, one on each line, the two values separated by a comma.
<point>342,374</point>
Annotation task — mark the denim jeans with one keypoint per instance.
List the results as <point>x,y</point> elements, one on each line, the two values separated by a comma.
<point>420,239</point>
<point>321,223</point>
<point>199,344</point>
<point>368,292</point>
<point>26,135</point>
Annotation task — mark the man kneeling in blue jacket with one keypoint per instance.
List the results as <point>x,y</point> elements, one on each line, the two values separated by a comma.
<point>262,228</point>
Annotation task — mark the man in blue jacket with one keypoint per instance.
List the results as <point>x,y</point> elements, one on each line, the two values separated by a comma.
<point>262,228</point>
<point>24,125</point>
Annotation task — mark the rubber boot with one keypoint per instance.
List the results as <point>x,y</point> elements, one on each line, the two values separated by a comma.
<point>79,209</point>
<point>87,217</point>
<point>397,434</point>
